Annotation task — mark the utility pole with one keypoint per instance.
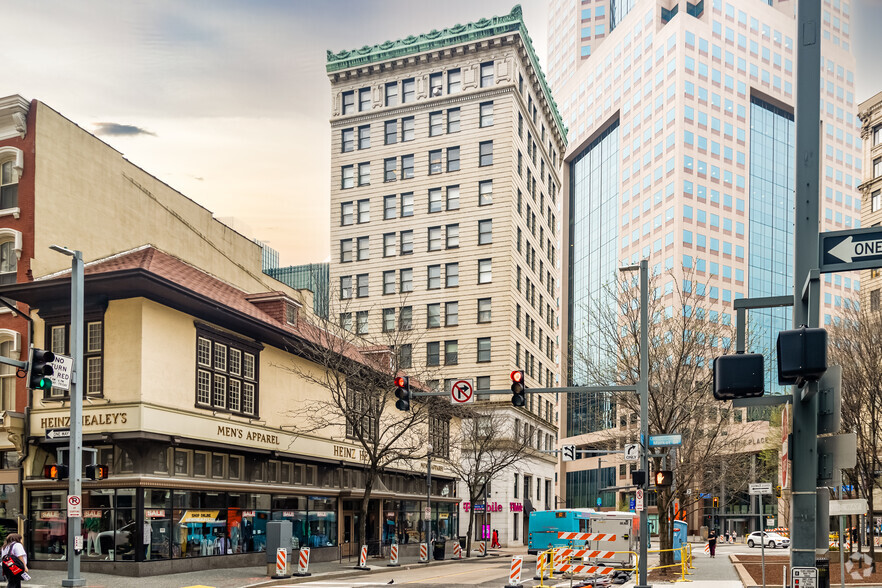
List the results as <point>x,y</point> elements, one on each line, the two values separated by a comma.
<point>429,494</point>
<point>805,309</point>
<point>75,480</point>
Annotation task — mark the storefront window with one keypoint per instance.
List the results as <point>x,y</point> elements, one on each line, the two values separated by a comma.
<point>98,532</point>
<point>157,531</point>
<point>292,508</point>
<point>322,521</point>
<point>390,524</point>
<point>49,530</point>
<point>409,523</point>
<point>201,524</point>
<point>446,521</point>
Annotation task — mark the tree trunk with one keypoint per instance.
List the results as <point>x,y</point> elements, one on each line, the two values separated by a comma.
<point>872,525</point>
<point>362,517</point>
<point>665,527</point>
<point>471,526</point>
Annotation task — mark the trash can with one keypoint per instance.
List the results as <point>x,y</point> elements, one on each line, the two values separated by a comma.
<point>462,542</point>
<point>823,565</point>
<point>438,550</point>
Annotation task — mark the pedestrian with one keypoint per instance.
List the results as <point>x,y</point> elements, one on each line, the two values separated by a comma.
<point>726,535</point>
<point>734,536</point>
<point>14,571</point>
<point>712,542</point>
<point>495,543</point>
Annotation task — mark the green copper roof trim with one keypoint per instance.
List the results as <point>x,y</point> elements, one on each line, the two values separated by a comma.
<point>456,34</point>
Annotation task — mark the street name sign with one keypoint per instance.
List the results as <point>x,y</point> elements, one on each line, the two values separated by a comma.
<point>855,506</point>
<point>632,452</point>
<point>462,392</point>
<point>850,250</point>
<point>58,434</point>
<point>62,368</point>
<point>665,440</point>
<point>760,489</point>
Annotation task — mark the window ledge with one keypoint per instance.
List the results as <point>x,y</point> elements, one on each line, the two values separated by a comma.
<point>15,212</point>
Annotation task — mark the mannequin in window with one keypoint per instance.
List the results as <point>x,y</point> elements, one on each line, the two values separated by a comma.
<point>92,525</point>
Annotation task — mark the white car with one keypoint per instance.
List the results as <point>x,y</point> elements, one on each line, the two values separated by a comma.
<point>771,540</point>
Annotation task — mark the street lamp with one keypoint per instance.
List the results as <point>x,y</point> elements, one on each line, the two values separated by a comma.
<point>428,512</point>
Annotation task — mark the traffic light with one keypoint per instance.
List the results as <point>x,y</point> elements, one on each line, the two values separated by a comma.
<point>97,471</point>
<point>664,478</point>
<point>518,389</point>
<point>56,471</point>
<point>778,491</point>
<point>716,502</point>
<point>638,478</point>
<point>738,376</point>
<point>40,369</point>
<point>402,393</point>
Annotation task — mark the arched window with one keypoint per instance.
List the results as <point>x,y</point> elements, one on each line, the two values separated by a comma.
<point>11,166</point>
<point>10,252</point>
<point>10,346</point>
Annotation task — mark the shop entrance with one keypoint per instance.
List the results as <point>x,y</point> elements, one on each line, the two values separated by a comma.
<point>352,540</point>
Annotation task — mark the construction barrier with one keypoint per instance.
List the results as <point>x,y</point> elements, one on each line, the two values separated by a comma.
<point>303,562</point>
<point>482,549</point>
<point>684,554</point>
<point>457,551</point>
<point>424,553</point>
<point>541,564</point>
<point>393,556</point>
<point>514,575</point>
<point>362,559</point>
<point>281,563</point>
<point>560,560</point>
<point>586,536</point>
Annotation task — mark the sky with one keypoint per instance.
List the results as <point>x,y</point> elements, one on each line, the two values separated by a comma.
<point>229,102</point>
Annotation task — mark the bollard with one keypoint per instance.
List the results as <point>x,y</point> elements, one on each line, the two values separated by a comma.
<point>362,559</point>
<point>424,553</point>
<point>457,551</point>
<point>514,575</point>
<point>303,563</point>
<point>393,556</point>
<point>482,549</point>
<point>281,564</point>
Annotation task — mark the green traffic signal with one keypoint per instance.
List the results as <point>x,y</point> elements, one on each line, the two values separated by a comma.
<point>41,369</point>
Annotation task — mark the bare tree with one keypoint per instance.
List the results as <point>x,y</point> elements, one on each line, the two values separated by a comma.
<point>686,331</point>
<point>855,343</point>
<point>486,445</point>
<point>356,371</point>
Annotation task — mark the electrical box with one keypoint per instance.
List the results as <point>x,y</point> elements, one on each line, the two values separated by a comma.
<point>738,376</point>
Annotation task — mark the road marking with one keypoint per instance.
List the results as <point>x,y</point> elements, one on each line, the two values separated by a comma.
<point>449,575</point>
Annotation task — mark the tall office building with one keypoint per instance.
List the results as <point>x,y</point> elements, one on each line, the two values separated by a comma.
<point>681,143</point>
<point>445,200</point>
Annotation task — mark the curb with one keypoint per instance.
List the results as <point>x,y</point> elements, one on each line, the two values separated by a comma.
<point>374,570</point>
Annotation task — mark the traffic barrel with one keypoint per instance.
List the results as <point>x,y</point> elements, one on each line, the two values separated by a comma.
<point>482,549</point>
<point>303,562</point>
<point>514,575</point>
<point>393,556</point>
<point>362,559</point>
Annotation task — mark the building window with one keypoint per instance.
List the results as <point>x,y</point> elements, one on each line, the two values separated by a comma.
<point>407,129</point>
<point>388,320</point>
<point>391,131</point>
<point>435,85</point>
<point>487,74</point>
<point>364,99</point>
<point>434,238</point>
<point>454,81</point>
<point>406,242</point>
<point>876,200</point>
<point>486,114</point>
<point>485,232</point>
<point>483,349</point>
<point>486,153</point>
<point>349,102</point>
<point>877,167</point>
<point>346,321</point>
<point>364,174</point>
<point>452,236</point>
<point>347,140</point>
<point>347,177</point>
<point>392,94</point>
<point>451,314</point>
<point>433,353</point>
<point>435,123</point>
<point>451,273</point>
<point>364,210</point>
<point>361,322</point>
<point>874,300</point>
<point>345,250</point>
<point>405,356</point>
<point>389,282</point>
<point>390,169</point>
<point>8,348</point>
<point>451,352</point>
<point>364,410</point>
<point>452,197</point>
<point>877,135</point>
<point>485,193</point>
<point>345,287</point>
<point>407,204</point>
<point>484,308</point>
<point>485,273</point>
<point>435,200</point>
<point>389,207</point>
<point>435,162</point>
<point>408,91</point>
<point>433,315</point>
<point>364,251</point>
<point>362,286</point>
<point>433,277</point>
<point>406,167</point>
<point>453,120</point>
<point>405,318</point>
<point>452,159</point>
<point>10,246</point>
<point>406,279</point>
<point>439,436</point>
<point>389,245</point>
<point>346,213</point>
<point>226,373</point>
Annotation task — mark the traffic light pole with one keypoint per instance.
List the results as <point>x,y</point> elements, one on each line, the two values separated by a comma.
<point>805,259</point>
<point>74,524</point>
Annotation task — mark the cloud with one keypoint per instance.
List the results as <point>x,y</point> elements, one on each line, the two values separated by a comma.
<point>116,129</point>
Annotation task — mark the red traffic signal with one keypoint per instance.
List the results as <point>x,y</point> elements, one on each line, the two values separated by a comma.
<point>402,393</point>
<point>55,471</point>
<point>518,389</point>
<point>401,382</point>
<point>517,376</point>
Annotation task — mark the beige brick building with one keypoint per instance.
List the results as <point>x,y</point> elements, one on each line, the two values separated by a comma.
<point>445,218</point>
<point>870,114</point>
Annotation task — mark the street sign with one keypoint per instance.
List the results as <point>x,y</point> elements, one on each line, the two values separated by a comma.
<point>830,400</point>
<point>639,499</point>
<point>632,504</point>
<point>599,501</point>
<point>665,440</point>
<point>850,250</point>
<point>74,506</point>
<point>760,489</point>
<point>835,452</point>
<point>461,392</point>
<point>57,434</point>
<point>804,577</point>
<point>568,453</point>
<point>856,506</point>
<point>427,511</point>
<point>631,452</point>
<point>62,368</point>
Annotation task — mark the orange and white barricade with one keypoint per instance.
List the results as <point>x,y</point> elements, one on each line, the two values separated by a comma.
<point>482,549</point>
<point>514,575</point>
<point>362,559</point>
<point>583,569</point>
<point>303,562</point>
<point>281,563</point>
<point>457,551</point>
<point>586,536</point>
<point>424,553</point>
<point>393,556</point>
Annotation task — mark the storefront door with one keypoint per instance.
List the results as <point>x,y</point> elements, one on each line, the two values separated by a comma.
<point>350,543</point>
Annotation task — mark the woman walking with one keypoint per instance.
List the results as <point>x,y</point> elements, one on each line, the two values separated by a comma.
<point>13,547</point>
<point>712,542</point>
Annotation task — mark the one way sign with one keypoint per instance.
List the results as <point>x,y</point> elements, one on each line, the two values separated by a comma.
<point>851,250</point>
